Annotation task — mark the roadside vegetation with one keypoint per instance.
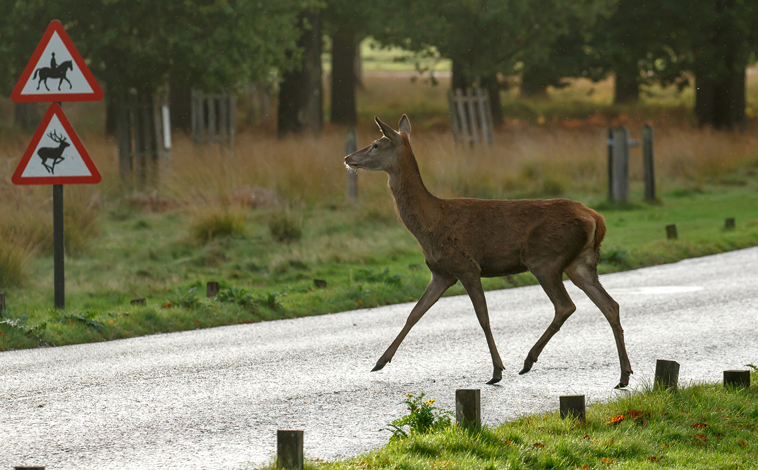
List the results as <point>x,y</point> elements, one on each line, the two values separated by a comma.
<point>699,426</point>
<point>270,222</point>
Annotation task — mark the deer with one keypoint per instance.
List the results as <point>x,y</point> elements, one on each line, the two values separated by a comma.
<point>465,239</point>
<point>53,153</point>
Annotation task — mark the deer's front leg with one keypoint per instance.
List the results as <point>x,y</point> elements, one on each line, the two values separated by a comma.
<point>473,286</point>
<point>437,286</point>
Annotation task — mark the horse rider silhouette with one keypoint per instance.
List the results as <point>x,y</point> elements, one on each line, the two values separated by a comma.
<point>54,71</point>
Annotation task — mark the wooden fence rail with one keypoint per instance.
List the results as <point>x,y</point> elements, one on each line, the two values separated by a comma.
<point>471,116</point>
<point>213,117</point>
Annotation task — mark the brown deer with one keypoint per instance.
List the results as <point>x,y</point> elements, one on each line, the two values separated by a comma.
<point>467,239</point>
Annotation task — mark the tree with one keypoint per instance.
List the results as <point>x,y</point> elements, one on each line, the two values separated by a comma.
<point>483,37</point>
<point>300,91</point>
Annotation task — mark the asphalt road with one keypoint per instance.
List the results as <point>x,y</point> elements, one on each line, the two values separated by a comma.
<point>214,398</point>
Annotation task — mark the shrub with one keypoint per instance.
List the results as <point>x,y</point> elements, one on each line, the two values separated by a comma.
<point>422,417</point>
<point>284,228</point>
<point>212,225</point>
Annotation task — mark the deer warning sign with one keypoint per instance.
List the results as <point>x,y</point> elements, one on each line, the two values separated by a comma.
<point>56,72</point>
<point>55,155</point>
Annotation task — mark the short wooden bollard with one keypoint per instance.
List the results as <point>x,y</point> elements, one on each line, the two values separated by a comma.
<point>573,405</point>
<point>320,283</point>
<point>2,303</point>
<point>142,302</point>
<point>211,289</point>
<point>671,232</point>
<point>737,378</point>
<point>729,223</point>
<point>666,374</point>
<point>468,409</point>
<point>289,450</point>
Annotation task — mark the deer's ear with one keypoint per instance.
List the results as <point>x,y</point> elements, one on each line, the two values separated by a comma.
<point>387,130</point>
<point>405,125</point>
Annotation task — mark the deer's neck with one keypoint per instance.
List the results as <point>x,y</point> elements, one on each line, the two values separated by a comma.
<point>417,207</point>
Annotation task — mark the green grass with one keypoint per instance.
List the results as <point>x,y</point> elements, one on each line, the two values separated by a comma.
<point>365,255</point>
<point>702,426</point>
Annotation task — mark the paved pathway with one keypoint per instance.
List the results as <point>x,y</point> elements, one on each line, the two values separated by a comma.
<point>214,398</point>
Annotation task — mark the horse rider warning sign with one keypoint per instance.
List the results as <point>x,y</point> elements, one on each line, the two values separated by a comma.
<point>56,72</point>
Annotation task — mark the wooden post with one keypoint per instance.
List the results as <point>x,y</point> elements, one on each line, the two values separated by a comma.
<point>490,124</point>
<point>729,223</point>
<point>453,116</point>
<point>486,137</point>
<point>468,411</point>
<point>2,303</point>
<point>212,127</point>
<point>141,302</point>
<point>647,160</point>
<point>573,405</point>
<point>460,104</point>
<point>289,450</point>
<point>671,232</point>
<point>666,374</point>
<point>223,118</point>
<point>351,145</point>
<point>211,289</point>
<point>620,165</point>
<point>737,378</point>
<point>471,111</point>
<point>610,164</point>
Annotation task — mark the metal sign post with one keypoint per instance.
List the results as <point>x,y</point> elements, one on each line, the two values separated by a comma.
<point>56,156</point>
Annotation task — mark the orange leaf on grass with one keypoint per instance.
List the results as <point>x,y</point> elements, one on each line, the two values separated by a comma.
<point>607,460</point>
<point>699,425</point>
<point>166,305</point>
<point>616,419</point>
<point>539,444</point>
<point>652,459</point>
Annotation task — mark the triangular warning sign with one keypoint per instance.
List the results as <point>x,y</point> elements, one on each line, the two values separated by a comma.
<point>55,155</point>
<point>56,72</point>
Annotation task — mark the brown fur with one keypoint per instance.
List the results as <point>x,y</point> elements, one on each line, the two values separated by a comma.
<point>466,239</point>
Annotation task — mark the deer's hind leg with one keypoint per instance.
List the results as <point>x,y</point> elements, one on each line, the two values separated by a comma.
<point>584,275</point>
<point>437,286</point>
<point>551,281</point>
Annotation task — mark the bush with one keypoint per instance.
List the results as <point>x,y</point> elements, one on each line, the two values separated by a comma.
<point>212,225</point>
<point>284,228</point>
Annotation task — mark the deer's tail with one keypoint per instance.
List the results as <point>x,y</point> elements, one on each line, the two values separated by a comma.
<point>599,229</point>
<point>34,77</point>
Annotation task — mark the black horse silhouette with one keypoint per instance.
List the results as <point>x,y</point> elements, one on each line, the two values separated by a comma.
<point>58,72</point>
<point>53,153</point>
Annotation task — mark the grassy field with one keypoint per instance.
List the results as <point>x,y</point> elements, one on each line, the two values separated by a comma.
<point>269,217</point>
<point>702,426</point>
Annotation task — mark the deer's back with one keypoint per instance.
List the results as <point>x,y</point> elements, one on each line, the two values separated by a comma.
<point>500,237</point>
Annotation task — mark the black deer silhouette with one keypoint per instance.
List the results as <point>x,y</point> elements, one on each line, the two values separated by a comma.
<point>53,153</point>
<point>57,72</point>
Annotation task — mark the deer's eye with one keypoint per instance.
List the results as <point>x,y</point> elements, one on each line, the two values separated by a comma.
<point>376,145</point>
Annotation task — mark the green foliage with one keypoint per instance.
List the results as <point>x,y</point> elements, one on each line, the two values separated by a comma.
<point>246,298</point>
<point>217,224</point>
<point>368,275</point>
<point>423,417</point>
<point>32,332</point>
<point>188,301</point>
<point>615,256</point>
<point>285,228</point>
<point>87,318</point>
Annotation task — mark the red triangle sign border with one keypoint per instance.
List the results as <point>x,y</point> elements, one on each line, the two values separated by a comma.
<point>56,27</point>
<point>93,178</point>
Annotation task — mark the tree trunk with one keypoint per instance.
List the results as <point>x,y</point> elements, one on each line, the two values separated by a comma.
<point>301,93</point>
<point>110,114</point>
<point>460,78</point>
<point>626,88</point>
<point>180,104</point>
<point>27,116</point>
<point>720,102</point>
<point>491,84</point>
<point>344,46</point>
<point>534,81</point>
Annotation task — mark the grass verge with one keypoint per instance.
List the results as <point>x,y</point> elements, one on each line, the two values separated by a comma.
<point>702,426</point>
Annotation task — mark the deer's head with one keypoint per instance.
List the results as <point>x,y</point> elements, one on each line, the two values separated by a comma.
<point>383,154</point>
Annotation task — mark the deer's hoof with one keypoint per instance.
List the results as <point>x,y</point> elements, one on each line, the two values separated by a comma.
<point>527,366</point>
<point>494,380</point>
<point>380,365</point>
<point>497,375</point>
<point>620,386</point>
